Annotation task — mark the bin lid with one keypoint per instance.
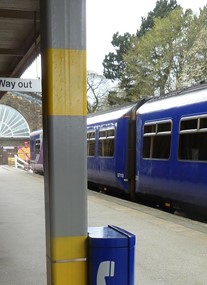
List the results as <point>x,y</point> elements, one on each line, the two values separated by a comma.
<point>110,236</point>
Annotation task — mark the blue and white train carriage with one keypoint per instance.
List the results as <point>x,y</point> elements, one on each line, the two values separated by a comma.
<point>111,148</point>
<point>156,148</point>
<point>171,148</point>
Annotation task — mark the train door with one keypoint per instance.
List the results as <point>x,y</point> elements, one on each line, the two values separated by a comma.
<point>106,154</point>
<point>92,168</point>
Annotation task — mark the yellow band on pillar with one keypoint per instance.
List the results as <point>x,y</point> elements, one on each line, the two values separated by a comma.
<point>73,273</point>
<point>66,248</point>
<point>68,257</point>
<point>66,86</point>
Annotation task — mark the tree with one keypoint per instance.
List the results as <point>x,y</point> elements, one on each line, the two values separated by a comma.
<point>195,57</point>
<point>117,97</point>
<point>172,55</point>
<point>114,63</point>
<point>161,10</point>
<point>155,62</point>
<point>98,88</point>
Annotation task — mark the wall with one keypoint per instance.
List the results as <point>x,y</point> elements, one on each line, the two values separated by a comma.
<point>31,110</point>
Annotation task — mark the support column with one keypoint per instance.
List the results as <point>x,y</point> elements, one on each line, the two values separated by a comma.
<point>63,53</point>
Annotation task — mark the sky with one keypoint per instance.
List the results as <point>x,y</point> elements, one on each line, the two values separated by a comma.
<point>105,18</point>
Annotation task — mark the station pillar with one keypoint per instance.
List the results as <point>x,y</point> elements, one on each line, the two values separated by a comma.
<point>63,54</point>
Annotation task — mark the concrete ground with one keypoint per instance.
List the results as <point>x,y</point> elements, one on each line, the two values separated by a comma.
<point>170,249</point>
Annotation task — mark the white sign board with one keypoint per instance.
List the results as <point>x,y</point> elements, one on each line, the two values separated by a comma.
<point>19,84</point>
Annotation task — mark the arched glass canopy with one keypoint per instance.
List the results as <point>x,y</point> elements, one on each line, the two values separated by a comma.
<point>12,123</point>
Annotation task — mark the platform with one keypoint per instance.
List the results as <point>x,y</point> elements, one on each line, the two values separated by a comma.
<point>170,249</point>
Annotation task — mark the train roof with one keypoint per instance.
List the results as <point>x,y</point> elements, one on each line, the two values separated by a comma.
<point>186,97</point>
<point>37,132</point>
<point>109,115</point>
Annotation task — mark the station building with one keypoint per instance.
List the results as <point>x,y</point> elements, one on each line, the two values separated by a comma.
<point>20,114</point>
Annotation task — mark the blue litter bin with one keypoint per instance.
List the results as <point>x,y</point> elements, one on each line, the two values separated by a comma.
<point>110,256</point>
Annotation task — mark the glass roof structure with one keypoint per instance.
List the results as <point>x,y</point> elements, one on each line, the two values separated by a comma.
<point>12,123</point>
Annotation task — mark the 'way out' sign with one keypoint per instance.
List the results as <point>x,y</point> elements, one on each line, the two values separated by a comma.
<point>19,84</point>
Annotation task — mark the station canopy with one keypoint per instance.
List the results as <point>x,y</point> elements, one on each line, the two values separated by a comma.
<point>19,36</point>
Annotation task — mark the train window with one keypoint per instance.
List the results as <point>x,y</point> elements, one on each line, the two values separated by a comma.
<point>91,148</point>
<point>102,134</point>
<point>150,129</point>
<point>91,135</point>
<point>110,133</point>
<point>106,143</point>
<point>164,127</point>
<point>190,124</point>
<point>147,147</point>
<point>192,141</point>
<point>106,148</point>
<point>203,123</point>
<point>91,143</point>
<point>192,146</point>
<point>37,147</point>
<point>157,140</point>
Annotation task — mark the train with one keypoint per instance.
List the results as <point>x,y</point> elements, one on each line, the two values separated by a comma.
<point>154,149</point>
<point>36,151</point>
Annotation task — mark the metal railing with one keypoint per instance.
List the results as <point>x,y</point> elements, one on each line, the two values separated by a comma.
<point>20,163</point>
